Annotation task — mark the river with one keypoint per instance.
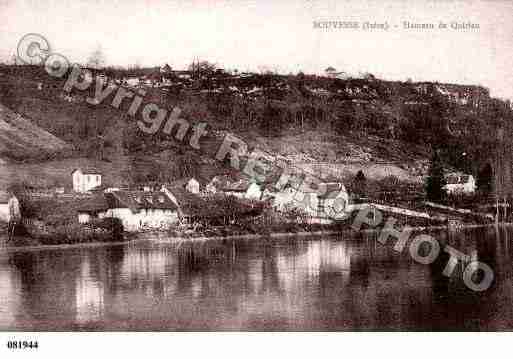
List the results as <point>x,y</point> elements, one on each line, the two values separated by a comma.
<point>345,282</point>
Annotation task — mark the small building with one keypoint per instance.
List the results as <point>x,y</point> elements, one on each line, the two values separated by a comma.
<point>191,207</point>
<point>85,180</point>
<point>241,188</point>
<point>333,201</point>
<point>92,208</point>
<point>137,210</point>
<point>4,206</point>
<point>166,69</point>
<point>133,81</point>
<point>332,73</point>
<point>460,183</point>
<point>193,186</point>
<point>325,204</point>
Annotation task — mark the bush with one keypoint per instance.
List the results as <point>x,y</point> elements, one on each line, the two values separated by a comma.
<point>113,225</point>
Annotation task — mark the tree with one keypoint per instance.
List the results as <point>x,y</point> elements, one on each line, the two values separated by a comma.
<point>485,180</point>
<point>97,59</point>
<point>435,180</point>
<point>360,184</point>
<point>271,122</point>
<point>200,68</point>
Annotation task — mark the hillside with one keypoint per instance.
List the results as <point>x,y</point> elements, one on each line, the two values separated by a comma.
<point>20,139</point>
<point>326,126</point>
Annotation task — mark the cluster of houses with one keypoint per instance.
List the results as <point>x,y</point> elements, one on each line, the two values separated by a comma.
<point>164,205</point>
<point>459,183</point>
<point>169,204</point>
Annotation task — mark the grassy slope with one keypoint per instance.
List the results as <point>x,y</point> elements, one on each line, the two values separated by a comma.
<point>20,138</point>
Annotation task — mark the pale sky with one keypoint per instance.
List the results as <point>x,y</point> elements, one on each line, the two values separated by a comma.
<point>278,35</point>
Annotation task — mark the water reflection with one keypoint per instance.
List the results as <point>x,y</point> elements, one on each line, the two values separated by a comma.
<point>296,284</point>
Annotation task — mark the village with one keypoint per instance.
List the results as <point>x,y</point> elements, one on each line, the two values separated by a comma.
<point>188,207</point>
<point>232,203</point>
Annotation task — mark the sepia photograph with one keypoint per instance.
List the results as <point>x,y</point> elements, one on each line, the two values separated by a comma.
<point>255,166</point>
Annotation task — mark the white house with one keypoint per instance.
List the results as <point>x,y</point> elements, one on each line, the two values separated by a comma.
<point>137,210</point>
<point>85,180</point>
<point>165,69</point>
<point>4,207</point>
<point>241,188</point>
<point>332,73</point>
<point>327,203</point>
<point>133,81</point>
<point>193,186</point>
<point>460,183</point>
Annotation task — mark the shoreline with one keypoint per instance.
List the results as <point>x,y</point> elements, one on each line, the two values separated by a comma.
<point>164,238</point>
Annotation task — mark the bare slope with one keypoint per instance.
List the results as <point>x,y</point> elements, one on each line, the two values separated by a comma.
<point>21,139</point>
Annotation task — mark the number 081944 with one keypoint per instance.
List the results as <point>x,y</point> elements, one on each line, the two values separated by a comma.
<point>22,344</point>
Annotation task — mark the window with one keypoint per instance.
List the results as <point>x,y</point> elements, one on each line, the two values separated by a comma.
<point>321,206</point>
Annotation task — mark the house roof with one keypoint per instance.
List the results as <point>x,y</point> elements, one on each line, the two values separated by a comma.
<point>4,197</point>
<point>94,204</point>
<point>137,200</point>
<point>331,190</point>
<point>457,178</point>
<point>88,170</point>
<point>191,204</point>
<point>226,184</point>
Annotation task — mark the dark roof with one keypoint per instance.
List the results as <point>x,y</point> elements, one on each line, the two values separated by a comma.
<point>227,184</point>
<point>331,190</point>
<point>4,197</point>
<point>457,179</point>
<point>137,200</point>
<point>96,203</point>
<point>88,170</point>
<point>191,204</point>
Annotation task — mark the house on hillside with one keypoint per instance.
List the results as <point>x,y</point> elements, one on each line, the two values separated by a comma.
<point>460,183</point>
<point>166,69</point>
<point>85,180</point>
<point>323,205</point>
<point>242,188</point>
<point>132,82</point>
<point>190,184</point>
<point>4,207</point>
<point>92,208</point>
<point>191,207</point>
<point>193,186</point>
<point>332,73</point>
<point>137,210</point>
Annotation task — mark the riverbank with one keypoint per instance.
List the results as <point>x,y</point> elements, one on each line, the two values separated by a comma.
<point>24,244</point>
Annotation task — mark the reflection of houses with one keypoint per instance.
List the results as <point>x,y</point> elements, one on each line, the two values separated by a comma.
<point>136,209</point>
<point>89,299</point>
<point>319,257</point>
<point>85,180</point>
<point>460,183</point>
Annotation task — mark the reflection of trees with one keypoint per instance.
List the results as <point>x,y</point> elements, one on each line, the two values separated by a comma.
<point>47,286</point>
